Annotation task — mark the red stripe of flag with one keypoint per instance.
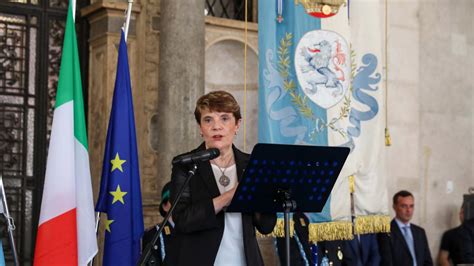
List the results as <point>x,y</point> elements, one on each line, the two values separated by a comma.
<point>57,241</point>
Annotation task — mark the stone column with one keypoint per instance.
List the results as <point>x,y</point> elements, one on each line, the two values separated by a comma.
<point>181,80</point>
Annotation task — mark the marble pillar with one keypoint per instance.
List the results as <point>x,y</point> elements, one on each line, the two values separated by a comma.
<point>181,81</point>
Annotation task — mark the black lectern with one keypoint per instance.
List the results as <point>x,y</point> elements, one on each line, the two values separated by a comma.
<point>288,178</point>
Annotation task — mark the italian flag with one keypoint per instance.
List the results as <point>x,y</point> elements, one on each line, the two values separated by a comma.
<point>66,231</point>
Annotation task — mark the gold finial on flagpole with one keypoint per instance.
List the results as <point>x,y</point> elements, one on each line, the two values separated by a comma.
<point>351,183</point>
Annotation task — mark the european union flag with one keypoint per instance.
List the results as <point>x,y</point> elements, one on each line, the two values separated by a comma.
<point>120,196</point>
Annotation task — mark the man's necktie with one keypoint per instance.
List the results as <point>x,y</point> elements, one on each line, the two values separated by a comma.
<point>409,239</point>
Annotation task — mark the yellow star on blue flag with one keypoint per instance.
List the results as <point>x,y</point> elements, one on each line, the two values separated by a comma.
<point>118,195</point>
<point>107,225</point>
<point>117,163</point>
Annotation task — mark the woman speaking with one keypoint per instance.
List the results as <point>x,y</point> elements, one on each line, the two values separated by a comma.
<point>205,233</point>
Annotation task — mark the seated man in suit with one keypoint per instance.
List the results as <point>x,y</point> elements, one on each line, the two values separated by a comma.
<point>407,243</point>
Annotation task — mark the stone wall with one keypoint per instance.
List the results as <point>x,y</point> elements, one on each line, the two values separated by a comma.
<point>430,98</point>
<point>224,70</point>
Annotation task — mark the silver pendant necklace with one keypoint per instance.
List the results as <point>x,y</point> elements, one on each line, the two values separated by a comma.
<point>224,180</point>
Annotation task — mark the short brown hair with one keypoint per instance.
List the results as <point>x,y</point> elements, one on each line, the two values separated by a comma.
<point>217,101</point>
<point>401,193</point>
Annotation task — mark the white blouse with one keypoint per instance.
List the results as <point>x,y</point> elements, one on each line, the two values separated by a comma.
<point>231,250</point>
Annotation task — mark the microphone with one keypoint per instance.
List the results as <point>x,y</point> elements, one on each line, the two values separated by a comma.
<point>200,156</point>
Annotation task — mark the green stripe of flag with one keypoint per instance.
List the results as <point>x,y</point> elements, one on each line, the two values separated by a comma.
<point>69,84</point>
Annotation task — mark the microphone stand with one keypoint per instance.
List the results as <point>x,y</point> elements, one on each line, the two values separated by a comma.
<point>289,205</point>
<point>152,245</point>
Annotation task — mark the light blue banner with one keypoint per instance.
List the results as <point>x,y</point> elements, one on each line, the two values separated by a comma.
<point>286,116</point>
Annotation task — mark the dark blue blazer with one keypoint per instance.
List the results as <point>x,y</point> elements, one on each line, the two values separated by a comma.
<point>395,249</point>
<point>365,250</point>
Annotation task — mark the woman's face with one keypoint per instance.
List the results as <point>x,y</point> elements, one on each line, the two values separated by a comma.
<point>218,129</point>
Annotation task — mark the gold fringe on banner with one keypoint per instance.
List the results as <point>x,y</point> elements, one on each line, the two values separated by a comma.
<point>279,230</point>
<point>388,139</point>
<point>339,230</point>
<point>372,224</point>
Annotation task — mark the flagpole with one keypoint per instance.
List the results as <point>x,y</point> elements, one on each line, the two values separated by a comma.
<point>10,222</point>
<point>127,20</point>
<point>97,220</point>
<point>73,3</point>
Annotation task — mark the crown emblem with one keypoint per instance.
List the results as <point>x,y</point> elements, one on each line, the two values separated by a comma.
<point>321,8</point>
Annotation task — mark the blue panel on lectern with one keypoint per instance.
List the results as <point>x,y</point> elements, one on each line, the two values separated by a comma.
<point>309,172</point>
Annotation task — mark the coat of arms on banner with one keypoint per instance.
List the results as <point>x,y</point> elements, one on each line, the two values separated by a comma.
<point>322,67</point>
<point>321,8</point>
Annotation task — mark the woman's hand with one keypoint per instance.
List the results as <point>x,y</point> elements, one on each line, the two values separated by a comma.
<point>224,199</point>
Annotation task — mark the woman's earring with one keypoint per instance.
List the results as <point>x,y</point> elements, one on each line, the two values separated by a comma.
<point>201,134</point>
<point>236,133</point>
